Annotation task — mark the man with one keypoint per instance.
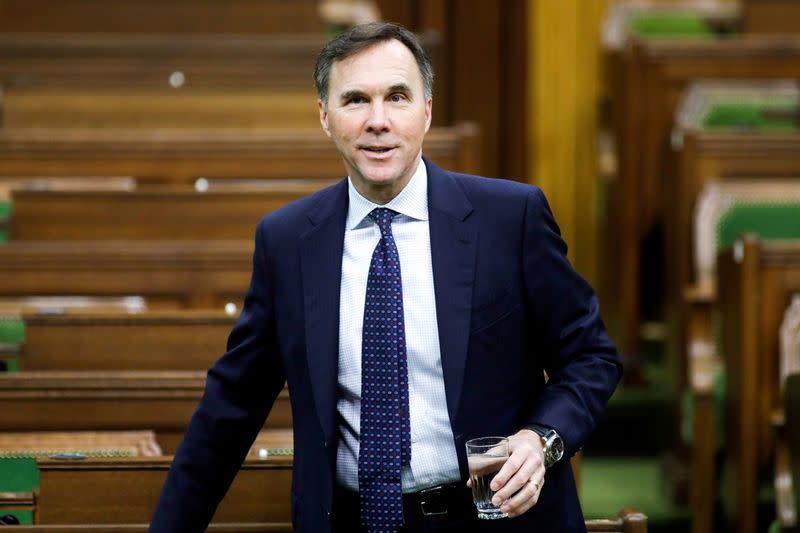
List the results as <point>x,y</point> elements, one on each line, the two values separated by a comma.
<point>409,309</point>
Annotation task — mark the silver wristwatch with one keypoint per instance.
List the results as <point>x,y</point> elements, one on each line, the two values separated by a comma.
<point>551,442</point>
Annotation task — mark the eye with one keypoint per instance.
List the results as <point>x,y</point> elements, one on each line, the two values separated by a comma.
<point>398,97</point>
<point>355,100</point>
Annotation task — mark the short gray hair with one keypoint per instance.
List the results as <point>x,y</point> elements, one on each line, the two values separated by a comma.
<point>363,36</point>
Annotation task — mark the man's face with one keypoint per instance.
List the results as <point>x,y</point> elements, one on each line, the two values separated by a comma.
<point>377,115</point>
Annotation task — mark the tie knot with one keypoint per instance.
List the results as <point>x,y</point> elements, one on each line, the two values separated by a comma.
<point>383,217</point>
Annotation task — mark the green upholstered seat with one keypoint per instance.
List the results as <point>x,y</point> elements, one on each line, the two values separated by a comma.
<point>767,115</point>
<point>661,25</point>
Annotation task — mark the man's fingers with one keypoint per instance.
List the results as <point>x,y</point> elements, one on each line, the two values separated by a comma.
<point>509,485</point>
<point>524,499</point>
<point>509,468</point>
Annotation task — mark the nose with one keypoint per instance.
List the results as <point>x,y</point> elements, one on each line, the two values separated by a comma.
<point>377,121</point>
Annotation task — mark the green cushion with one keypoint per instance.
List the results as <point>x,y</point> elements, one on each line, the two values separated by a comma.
<point>5,209</point>
<point>768,220</point>
<point>12,364</point>
<point>12,330</point>
<point>25,517</point>
<point>18,474</point>
<point>759,116</point>
<point>670,25</point>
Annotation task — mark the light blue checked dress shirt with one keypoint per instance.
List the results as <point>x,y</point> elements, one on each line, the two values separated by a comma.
<point>433,453</point>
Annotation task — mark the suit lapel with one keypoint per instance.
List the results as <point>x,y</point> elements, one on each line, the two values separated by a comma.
<point>454,237</point>
<point>321,269</point>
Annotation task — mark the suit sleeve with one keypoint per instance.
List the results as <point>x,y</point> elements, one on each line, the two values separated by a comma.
<point>240,390</point>
<point>581,361</point>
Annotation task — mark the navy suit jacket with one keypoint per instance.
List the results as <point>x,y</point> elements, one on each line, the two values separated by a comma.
<point>509,308</point>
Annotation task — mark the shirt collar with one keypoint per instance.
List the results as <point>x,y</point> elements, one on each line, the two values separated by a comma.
<point>411,202</point>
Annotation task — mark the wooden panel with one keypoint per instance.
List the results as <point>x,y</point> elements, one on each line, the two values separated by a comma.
<point>124,490</point>
<point>164,213</point>
<point>151,340</point>
<point>152,16</point>
<point>34,107</point>
<point>181,156</point>
<point>770,16</point>
<point>190,273</point>
<point>100,401</point>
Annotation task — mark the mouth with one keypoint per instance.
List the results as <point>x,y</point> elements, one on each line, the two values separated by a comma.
<point>377,151</point>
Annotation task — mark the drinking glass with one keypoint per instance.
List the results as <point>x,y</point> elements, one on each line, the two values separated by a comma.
<point>485,457</point>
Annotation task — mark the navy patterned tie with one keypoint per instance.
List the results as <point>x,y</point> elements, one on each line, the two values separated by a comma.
<point>385,442</point>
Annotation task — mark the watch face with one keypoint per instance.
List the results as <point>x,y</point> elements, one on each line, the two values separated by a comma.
<point>554,449</point>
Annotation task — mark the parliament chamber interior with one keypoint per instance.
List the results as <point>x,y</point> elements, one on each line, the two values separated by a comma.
<point>142,140</point>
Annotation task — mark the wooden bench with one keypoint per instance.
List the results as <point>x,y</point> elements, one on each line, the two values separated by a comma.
<point>654,74</point>
<point>125,491</point>
<point>260,493</point>
<point>182,156</point>
<point>113,400</point>
<point>173,16</point>
<point>157,213</point>
<point>755,283</point>
<point>159,107</point>
<point>165,273</point>
<point>151,340</point>
<point>707,156</point>
<point>721,214</point>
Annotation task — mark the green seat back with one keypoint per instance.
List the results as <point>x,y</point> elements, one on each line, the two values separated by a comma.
<point>660,25</point>
<point>773,115</point>
<point>12,333</point>
<point>12,330</point>
<point>768,220</point>
<point>5,216</point>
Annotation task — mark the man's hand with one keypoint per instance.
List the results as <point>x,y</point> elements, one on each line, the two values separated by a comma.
<point>518,484</point>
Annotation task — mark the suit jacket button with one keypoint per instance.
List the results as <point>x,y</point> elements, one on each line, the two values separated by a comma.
<point>326,444</point>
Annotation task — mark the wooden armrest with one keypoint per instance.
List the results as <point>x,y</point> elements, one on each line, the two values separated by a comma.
<point>703,293</point>
<point>778,419</point>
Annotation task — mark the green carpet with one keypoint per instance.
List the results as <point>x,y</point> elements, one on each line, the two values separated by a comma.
<point>610,484</point>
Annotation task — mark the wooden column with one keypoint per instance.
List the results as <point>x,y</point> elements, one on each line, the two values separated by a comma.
<point>563,88</point>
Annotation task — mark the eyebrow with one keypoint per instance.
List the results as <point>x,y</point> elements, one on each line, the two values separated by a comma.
<point>396,88</point>
<point>400,88</point>
<point>347,95</point>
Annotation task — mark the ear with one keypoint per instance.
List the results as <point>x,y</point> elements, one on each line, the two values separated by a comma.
<point>428,114</point>
<point>323,117</point>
